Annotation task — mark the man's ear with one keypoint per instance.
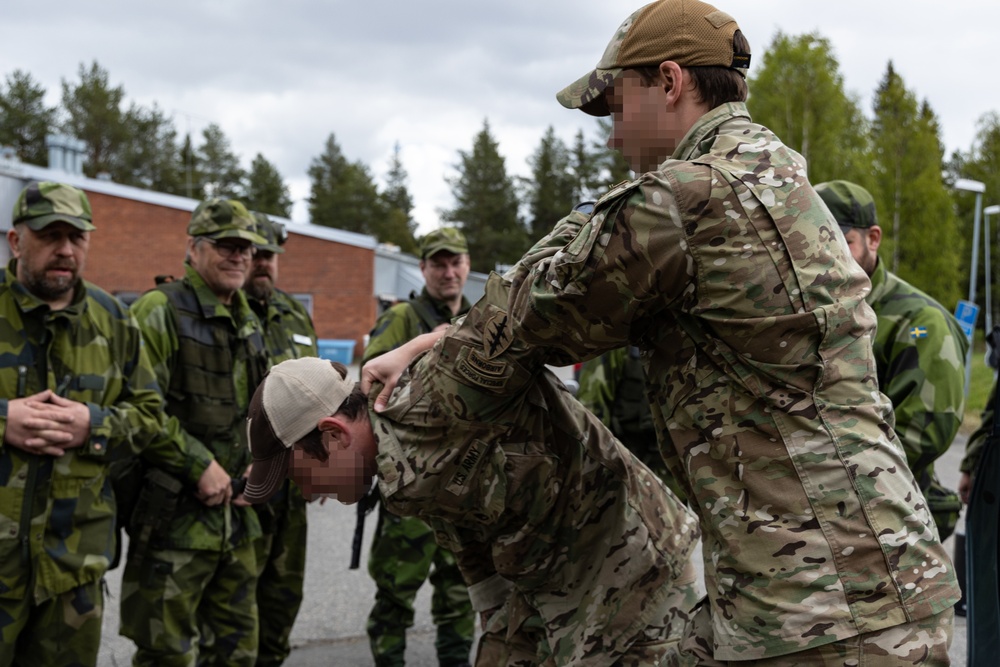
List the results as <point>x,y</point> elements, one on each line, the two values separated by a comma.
<point>14,241</point>
<point>874,237</point>
<point>336,429</point>
<point>672,81</point>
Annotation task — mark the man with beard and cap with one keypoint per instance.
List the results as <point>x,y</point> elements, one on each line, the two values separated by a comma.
<point>189,597</point>
<point>76,392</point>
<point>575,553</point>
<point>919,352</point>
<point>281,552</point>
<point>721,263</point>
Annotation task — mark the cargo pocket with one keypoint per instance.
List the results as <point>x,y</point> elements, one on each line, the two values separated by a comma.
<point>13,566</point>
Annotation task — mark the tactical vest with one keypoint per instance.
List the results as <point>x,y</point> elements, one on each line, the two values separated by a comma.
<point>202,395</point>
<point>428,316</point>
<point>630,412</point>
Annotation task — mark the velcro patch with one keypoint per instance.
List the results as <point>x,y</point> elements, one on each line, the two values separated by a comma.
<point>467,466</point>
<point>480,370</point>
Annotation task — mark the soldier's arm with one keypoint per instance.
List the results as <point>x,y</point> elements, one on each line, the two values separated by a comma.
<point>624,263</point>
<point>175,450</point>
<point>925,380</point>
<point>393,328</point>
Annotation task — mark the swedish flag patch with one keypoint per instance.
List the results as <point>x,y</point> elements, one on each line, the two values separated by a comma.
<point>918,332</point>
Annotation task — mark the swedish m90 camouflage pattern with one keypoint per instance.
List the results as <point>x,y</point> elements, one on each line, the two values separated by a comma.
<point>920,356</point>
<point>404,553</point>
<point>557,527</point>
<point>281,551</point>
<point>57,515</point>
<point>725,268</point>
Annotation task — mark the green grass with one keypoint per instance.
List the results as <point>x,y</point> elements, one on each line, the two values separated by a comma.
<point>983,378</point>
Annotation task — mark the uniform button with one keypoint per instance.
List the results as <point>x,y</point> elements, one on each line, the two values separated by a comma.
<point>98,447</point>
<point>22,475</point>
<point>13,531</point>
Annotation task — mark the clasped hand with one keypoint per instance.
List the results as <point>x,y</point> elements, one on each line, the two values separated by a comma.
<point>45,423</point>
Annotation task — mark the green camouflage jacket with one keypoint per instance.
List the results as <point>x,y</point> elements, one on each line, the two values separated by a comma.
<point>920,356</point>
<point>519,480</point>
<point>288,329</point>
<point>57,515</point>
<point>974,447</point>
<point>725,268</point>
<point>196,526</point>
<point>402,323</point>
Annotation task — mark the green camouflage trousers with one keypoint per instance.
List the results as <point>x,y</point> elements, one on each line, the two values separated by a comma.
<point>516,635</point>
<point>62,632</point>
<point>924,643</point>
<point>201,609</point>
<point>403,552</point>
<point>281,567</point>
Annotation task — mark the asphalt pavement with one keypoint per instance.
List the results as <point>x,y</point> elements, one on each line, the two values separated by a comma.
<point>330,628</point>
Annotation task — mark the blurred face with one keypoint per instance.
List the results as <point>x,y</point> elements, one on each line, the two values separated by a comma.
<point>50,261</point>
<point>222,264</point>
<point>348,472</point>
<point>864,244</point>
<point>263,275</point>
<point>643,130</point>
<point>445,275</point>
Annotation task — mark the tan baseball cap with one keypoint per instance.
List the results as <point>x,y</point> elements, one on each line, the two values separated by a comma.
<point>288,404</point>
<point>689,32</point>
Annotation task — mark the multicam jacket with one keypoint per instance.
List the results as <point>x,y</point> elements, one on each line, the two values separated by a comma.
<point>405,321</point>
<point>195,525</point>
<point>524,485</point>
<point>725,268</point>
<point>920,356</point>
<point>57,515</point>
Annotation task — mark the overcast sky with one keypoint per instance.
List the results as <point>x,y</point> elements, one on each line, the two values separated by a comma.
<point>280,77</point>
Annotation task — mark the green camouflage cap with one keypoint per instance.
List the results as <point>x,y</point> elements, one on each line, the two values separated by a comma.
<point>41,204</point>
<point>689,32</point>
<point>852,206</point>
<point>273,232</point>
<point>224,219</point>
<point>446,238</point>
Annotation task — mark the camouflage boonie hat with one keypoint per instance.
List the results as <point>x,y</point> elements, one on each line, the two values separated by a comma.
<point>41,204</point>
<point>852,206</point>
<point>689,32</point>
<point>273,232</point>
<point>446,238</point>
<point>224,219</point>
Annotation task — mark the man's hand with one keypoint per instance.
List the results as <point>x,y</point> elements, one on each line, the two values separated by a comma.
<point>46,424</point>
<point>215,487</point>
<point>386,368</point>
<point>239,500</point>
<point>965,487</point>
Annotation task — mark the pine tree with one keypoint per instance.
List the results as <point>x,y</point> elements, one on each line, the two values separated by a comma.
<point>266,191</point>
<point>343,194</point>
<point>398,227</point>
<point>798,92</point>
<point>24,119</point>
<point>552,188</point>
<point>95,116</point>
<point>486,206</point>
<point>150,158</point>
<point>220,168</point>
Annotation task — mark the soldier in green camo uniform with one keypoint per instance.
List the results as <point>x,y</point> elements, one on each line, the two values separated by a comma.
<point>723,265</point>
<point>613,387</point>
<point>919,352</point>
<point>403,550</point>
<point>190,597</point>
<point>281,552</point>
<point>576,554</point>
<point>76,392</point>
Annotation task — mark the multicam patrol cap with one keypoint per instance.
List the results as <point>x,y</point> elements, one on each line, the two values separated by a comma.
<point>224,219</point>
<point>852,206</point>
<point>41,204</point>
<point>689,32</point>
<point>447,238</point>
<point>273,232</point>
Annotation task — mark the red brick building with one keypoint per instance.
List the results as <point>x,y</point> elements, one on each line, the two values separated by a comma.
<point>142,234</point>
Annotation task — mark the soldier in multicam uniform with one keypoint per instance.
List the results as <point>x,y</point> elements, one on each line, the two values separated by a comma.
<point>281,552</point>
<point>576,554</point>
<point>919,352</point>
<point>77,392</point>
<point>723,265</point>
<point>190,598</point>
<point>403,550</point>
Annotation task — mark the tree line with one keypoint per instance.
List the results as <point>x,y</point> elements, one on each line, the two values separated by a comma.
<point>895,151</point>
